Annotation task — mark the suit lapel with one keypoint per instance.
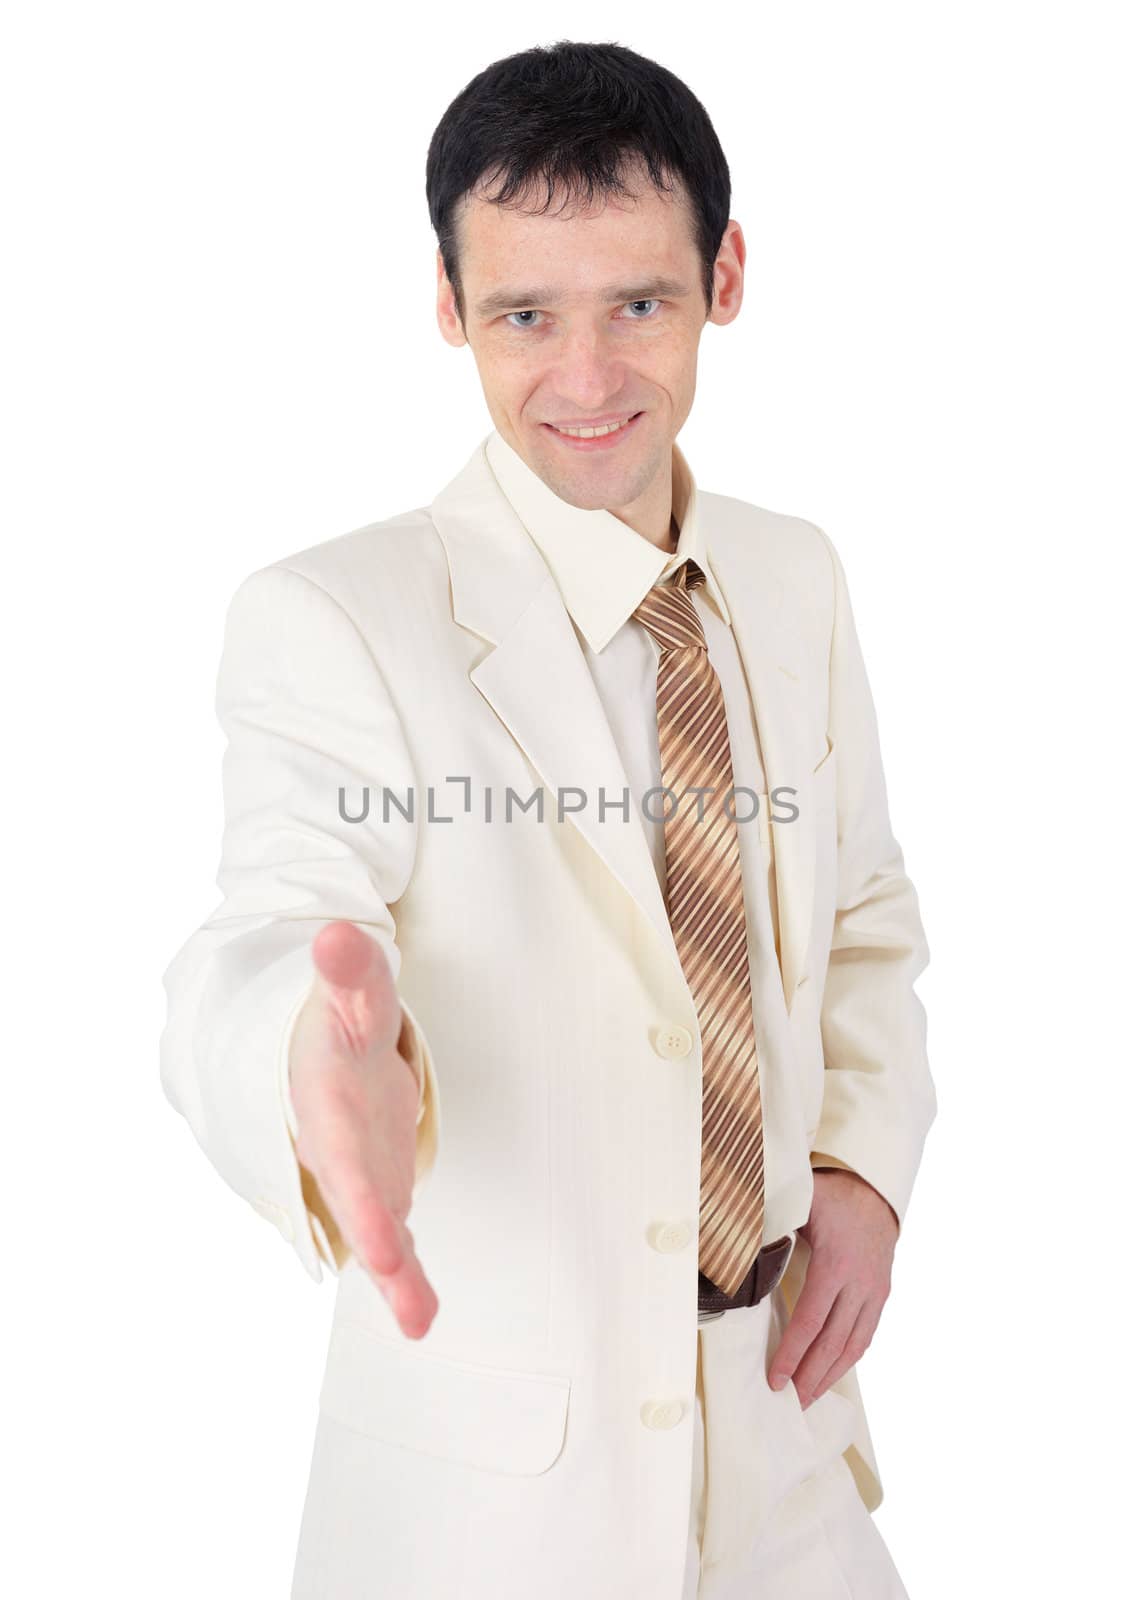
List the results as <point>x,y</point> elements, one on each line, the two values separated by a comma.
<point>535,676</point>
<point>537,681</point>
<point>777,687</point>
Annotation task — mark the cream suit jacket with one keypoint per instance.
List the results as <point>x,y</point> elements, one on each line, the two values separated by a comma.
<point>538,1439</point>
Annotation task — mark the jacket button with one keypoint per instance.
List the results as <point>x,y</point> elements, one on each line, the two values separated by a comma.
<point>673,1041</point>
<point>670,1236</point>
<point>662,1413</point>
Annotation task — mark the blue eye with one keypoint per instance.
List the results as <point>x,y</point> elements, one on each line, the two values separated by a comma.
<point>513,317</point>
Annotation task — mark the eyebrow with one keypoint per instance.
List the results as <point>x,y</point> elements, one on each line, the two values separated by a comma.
<point>614,294</point>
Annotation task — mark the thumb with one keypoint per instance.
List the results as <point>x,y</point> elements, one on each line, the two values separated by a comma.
<point>353,967</point>
<point>346,956</point>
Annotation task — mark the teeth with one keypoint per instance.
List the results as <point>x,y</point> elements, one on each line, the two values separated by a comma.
<point>594,433</point>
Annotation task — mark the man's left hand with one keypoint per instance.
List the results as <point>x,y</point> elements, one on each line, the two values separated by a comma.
<point>852,1231</point>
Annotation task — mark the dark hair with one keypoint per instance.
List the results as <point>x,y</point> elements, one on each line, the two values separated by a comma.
<point>572,117</point>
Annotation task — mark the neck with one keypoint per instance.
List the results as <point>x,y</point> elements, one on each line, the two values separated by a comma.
<point>652,515</point>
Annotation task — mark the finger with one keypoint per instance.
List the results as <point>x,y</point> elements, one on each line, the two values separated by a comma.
<point>857,1343</point>
<point>387,1252</point>
<point>410,1294</point>
<point>828,1347</point>
<point>380,1242</point>
<point>806,1322</point>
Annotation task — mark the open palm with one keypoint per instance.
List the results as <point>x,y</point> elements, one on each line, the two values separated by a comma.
<point>355,1098</point>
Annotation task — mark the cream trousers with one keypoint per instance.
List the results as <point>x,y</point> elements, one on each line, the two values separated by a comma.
<point>774,1510</point>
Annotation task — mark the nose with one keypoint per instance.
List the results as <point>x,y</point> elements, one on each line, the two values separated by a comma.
<point>587,374</point>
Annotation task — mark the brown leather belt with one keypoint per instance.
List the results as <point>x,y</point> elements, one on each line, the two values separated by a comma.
<point>762,1277</point>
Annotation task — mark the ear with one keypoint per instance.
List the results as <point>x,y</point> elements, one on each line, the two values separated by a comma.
<point>728,275</point>
<point>446,307</point>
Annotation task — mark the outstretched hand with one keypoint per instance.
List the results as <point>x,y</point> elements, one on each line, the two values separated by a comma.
<point>355,1097</point>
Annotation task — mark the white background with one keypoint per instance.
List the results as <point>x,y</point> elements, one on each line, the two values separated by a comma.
<point>219,347</point>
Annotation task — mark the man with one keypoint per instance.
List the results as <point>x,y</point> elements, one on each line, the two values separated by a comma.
<point>559,804</point>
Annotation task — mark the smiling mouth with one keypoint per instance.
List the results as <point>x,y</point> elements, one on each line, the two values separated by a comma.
<point>599,431</point>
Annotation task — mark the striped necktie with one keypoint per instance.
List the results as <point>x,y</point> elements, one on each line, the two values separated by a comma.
<point>705,903</point>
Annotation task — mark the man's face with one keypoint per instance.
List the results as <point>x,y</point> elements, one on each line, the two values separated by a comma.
<point>587,317</point>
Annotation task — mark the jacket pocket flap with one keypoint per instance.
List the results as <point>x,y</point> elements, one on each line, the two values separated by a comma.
<point>493,1417</point>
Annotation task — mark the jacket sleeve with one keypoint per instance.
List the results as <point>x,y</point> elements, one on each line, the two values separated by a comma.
<point>310,727</point>
<point>820,1160</point>
<point>879,1099</point>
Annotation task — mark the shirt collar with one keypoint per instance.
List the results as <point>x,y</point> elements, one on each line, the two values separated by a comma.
<point>602,567</point>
